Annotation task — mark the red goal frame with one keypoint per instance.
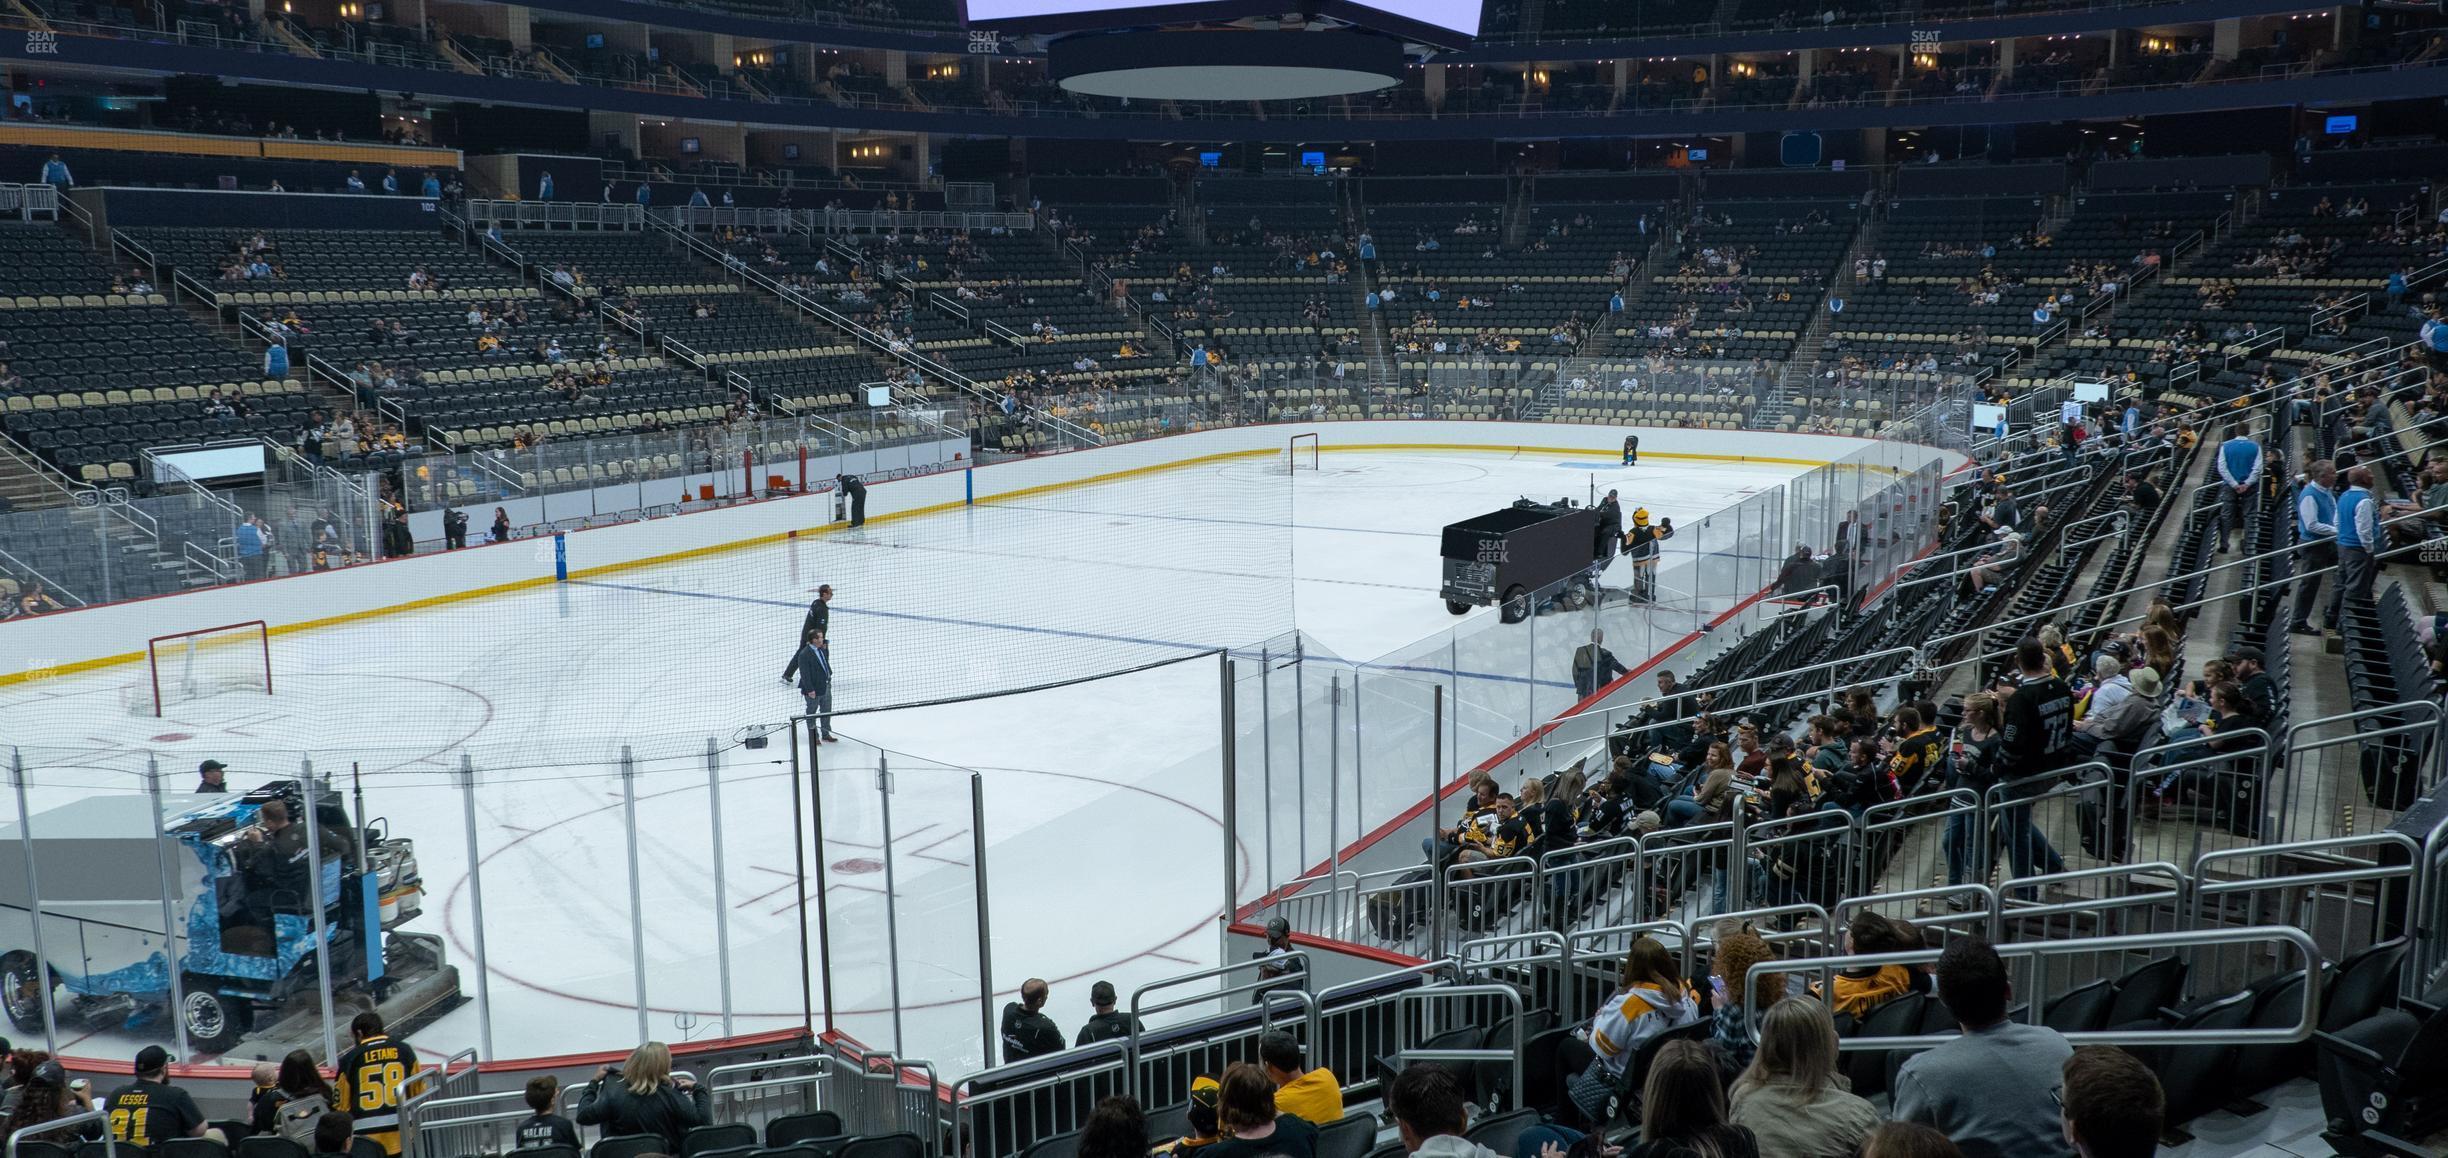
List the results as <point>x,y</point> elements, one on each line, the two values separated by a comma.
<point>153,646</point>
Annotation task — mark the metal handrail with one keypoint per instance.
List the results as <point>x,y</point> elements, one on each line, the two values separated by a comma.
<point>110,1142</point>
<point>1504,994</point>
<point>2036,952</point>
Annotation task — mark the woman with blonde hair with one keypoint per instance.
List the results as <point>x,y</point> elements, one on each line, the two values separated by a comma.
<point>640,1096</point>
<point>1792,1098</point>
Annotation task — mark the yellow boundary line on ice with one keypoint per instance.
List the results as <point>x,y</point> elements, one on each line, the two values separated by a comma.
<point>99,662</point>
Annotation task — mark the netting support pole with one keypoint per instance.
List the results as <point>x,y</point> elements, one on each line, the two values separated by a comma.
<point>1436,788</point>
<point>892,907</point>
<point>475,880</point>
<point>25,844</point>
<point>1334,781</point>
<point>637,908</point>
<point>1231,809</point>
<point>985,931</point>
<point>1300,753</point>
<point>309,798</point>
<point>165,868</point>
<point>1266,761</point>
<point>722,892</point>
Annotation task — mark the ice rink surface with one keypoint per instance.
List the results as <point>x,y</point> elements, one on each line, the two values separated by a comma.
<point>1102,840</point>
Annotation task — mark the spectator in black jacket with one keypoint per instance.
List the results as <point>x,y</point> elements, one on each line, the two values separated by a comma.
<point>2254,681</point>
<point>1107,1022</point>
<point>2039,730</point>
<point>1027,1031</point>
<point>641,1097</point>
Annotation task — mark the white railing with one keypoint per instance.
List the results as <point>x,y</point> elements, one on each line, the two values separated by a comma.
<point>550,214</point>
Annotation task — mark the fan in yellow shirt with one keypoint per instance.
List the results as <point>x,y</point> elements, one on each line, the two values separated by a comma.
<point>1312,1095</point>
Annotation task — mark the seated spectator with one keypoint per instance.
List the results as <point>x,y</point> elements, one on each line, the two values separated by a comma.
<point>1858,990</point>
<point>1115,1128</point>
<point>1908,1140</point>
<point>1251,1124</point>
<point>149,1110</point>
<point>1310,1094</point>
<point>46,1097</point>
<point>1104,1022</point>
<point>1992,1090</point>
<point>544,1127</point>
<point>640,1096</point>
<point>1683,1109</point>
<point>2114,1107</point>
<point>300,1099</point>
<point>334,1135</point>
<point>1739,947</point>
<point>1650,998</point>
<point>1430,1116</point>
<point>1027,1032</point>
<point>1202,1115</point>
<point>1791,1098</point>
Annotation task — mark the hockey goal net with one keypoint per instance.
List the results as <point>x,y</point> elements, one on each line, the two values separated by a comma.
<point>190,665</point>
<point>1300,452</point>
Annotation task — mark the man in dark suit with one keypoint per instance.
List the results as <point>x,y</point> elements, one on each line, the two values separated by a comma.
<point>820,613</point>
<point>813,666</point>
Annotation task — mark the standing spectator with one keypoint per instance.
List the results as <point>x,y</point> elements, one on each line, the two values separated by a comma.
<point>2316,536</point>
<point>813,665</point>
<point>1683,1109</point>
<point>544,186</point>
<point>355,183</point>
<point>1105,1022</point>
<point>1116,1128</point>
<point>2239,469</point>
<point>149,1110</point>
<point>250,544</point>
<point>276,359</point>
<point>645,195</point>
<point>2039,724</point>
<point>1792,1099</point>
<point>499,532</point>
<point>1027,1031</point>
<point>454,529</point>
<point>432,187</point>
<point>641,1096</point>
<point>1253,1126</point>
<point>1312,1095</point>
<point>1594,666</point>
<point>2358,538</point>
<point>543,1127</point>
<point>47,1097</point>
<point>375,1072</point>
<point>390,182</point>
<point>1994,1089</point>
<point>2113,1105</point>
<point>55,173</point>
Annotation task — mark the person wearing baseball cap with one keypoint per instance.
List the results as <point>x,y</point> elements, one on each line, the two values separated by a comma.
<point>1107,1023</point>
<point>1202,1114</point>
<point>150,1111</point>
<point>209,778</point>
<point>47,1097</point>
